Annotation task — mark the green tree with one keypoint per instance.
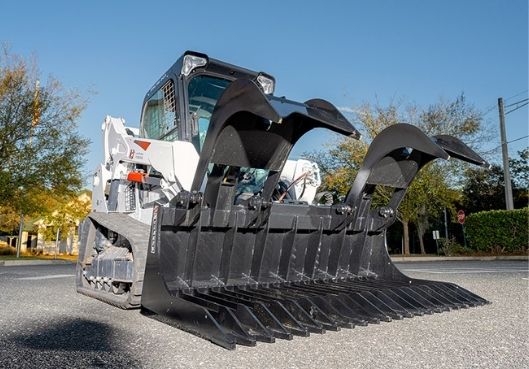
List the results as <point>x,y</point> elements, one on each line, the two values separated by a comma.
<point>520,169</point>
<point>430,192</point>
<point>484,189</point>
<point>41,152</point>
<point>64,214</point>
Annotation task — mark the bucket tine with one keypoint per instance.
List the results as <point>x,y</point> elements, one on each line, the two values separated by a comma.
<point>437,296</point>
<point>440,296</point>
<point>294,309</point>
<point>245,316</point>
<point>278,310</point>
<point>465,292</point>
<point>406,307</point>
<point>376,296</point>
<point>399,289</point>
<point>316,304</point>
<point>316,314</point>
<point>262,313</point>
<point>225,318</point>
<point>453,295</point>
<point>406,301</point>
<point>424,299</point>
<point>369,301</point>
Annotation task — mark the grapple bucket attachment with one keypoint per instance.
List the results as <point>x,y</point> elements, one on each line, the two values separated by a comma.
<point>237,272</point>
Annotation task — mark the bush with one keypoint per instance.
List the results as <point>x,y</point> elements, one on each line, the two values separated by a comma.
<point>498,231</point>
<point>8,250</point>
<point>450,247</point>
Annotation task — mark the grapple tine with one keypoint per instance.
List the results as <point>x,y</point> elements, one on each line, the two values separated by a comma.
<point>323,311</point>
<point>445,297</point>
<point>262,313</point>
<point>376,293</point>
<point>278,310</point>
<point>426,297</point>
<point>398,288</point>
<point>462,301</point>
<point>293,308</point>
<point>471,296</point>
<point>244,315</point>
<point>370,302</point>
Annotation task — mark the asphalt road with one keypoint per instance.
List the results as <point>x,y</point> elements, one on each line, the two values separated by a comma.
<point>45,324</point>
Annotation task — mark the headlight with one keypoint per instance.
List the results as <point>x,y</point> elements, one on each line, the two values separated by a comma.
<point>191,62</point>
<point>267,84</point>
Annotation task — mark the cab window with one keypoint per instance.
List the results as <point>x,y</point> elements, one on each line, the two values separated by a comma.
<point>203,92</point>
<point>160,115</point>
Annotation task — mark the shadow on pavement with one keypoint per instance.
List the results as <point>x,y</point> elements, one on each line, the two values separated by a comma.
<point>80,334</point>
<point>65,343</point>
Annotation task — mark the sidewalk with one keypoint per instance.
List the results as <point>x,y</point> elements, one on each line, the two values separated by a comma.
<point>395,258</point>
<point>22,262</point>
<point>404,259</point>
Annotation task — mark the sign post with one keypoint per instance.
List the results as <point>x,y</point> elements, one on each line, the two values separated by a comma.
<point>461,220</point>
<point>436,237</point>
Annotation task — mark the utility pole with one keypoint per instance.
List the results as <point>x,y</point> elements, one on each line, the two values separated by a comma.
<point>505,154</point>
<point>446,225</point>
<point>56,243</point>
<point>20,231</point>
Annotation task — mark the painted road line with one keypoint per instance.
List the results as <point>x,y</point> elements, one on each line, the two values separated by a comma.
<point>469,270</point>
<point>463,272</point>
<point>493,268</point>
<point>46,277</point>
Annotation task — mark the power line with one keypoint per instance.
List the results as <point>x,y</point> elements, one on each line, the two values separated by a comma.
<point>508,142</point>
<point>516,103</point>
<point>518,139</point>
<point>518,107</point>
<point>494,106</point>
<point>518,94</point>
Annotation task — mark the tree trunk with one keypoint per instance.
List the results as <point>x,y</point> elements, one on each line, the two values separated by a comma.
<point>421,232</point>
<point>422,226</point>
<point>421,242</point>
<point>406,235</point>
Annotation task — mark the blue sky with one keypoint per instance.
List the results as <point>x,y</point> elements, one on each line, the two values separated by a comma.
<point>348,52</point>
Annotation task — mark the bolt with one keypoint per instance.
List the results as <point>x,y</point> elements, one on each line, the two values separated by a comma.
<point>344,209</point>
<point>255,202</point>
<point>386,212</point>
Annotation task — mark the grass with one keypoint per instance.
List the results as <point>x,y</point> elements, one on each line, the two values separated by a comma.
<point>39,257</point>
<point>9,253</point>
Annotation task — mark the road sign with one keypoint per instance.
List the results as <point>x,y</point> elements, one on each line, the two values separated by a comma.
<point>436,235</point>
<point>461,217</point>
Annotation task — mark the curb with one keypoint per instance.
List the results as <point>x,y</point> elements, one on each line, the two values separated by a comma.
<point>398,259</point>
<point>405,259</point>
<point>8,263</point>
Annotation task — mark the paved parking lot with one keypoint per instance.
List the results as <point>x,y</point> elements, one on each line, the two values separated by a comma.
<point>45,324</point>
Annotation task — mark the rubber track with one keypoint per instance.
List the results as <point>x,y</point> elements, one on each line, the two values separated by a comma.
<point>137,233</point>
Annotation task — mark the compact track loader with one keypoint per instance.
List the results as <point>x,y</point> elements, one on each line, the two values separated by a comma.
<point>201,220</point>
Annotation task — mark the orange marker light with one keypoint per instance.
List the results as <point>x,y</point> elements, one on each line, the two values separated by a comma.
<point>143,144</point>
<point>136,177</point>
